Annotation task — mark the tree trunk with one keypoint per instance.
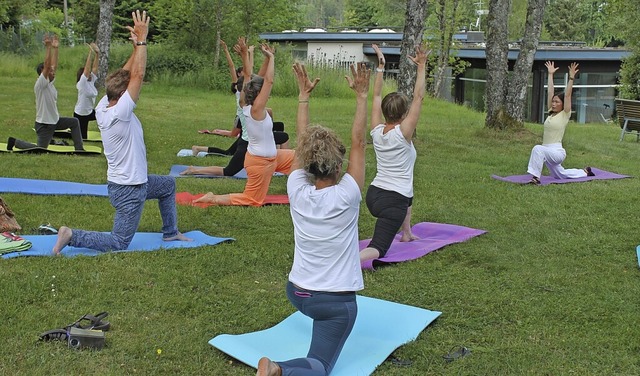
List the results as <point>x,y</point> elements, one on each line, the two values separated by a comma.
<point>517,93</point>
<point>446,37</point>
<point>218,21</point>
<point>105,27</point>
<point>497,50</point>
<point>415,17</point>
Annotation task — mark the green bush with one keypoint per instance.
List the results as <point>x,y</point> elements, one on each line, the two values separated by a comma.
<point>630,77</point>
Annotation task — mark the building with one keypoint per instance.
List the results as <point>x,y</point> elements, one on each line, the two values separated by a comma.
<point>595,86</point>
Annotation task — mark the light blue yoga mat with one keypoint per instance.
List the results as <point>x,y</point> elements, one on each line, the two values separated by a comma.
<point>242,174</point>
<point>142,241</point>
<point>638,254</point>
<point>51,187</point>
<point>381,327</point>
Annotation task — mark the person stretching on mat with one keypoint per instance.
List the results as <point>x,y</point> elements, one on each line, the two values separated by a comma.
<point>48,119</point>
<point>390,195</point>
<point>262,158</point>
<point>551,153</point>
<point>87,91</point>
<point>280,136</point>
<point>128,183</point>
<point>325,208</point>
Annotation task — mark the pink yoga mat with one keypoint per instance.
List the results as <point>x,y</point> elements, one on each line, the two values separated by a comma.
<point>432,236</point>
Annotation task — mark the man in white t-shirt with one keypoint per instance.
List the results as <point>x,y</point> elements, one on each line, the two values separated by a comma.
<point>48,119</point>
<point>128,184</point>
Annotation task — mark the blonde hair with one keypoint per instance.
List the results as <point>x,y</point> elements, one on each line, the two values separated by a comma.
<point>394,107</point>
<point>320,152</point>
<point>117,83</point>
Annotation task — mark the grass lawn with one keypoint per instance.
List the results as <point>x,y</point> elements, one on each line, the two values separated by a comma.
<point>552,288</point>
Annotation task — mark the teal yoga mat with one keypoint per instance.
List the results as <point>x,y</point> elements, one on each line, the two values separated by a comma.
<point>368,345</point>
<point>142,241</point>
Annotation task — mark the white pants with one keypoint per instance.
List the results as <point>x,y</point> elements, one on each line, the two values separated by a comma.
<point>552,155</point>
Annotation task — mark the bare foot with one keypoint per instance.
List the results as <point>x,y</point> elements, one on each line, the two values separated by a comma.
<point>195,150</point>
<point>408,237</point>
<point>189,171</point>
<point>209,198</point>
<point>180,237</point>
<point>64,237</point>
<point>268,368</point>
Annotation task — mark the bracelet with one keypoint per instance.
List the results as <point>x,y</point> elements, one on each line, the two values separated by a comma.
<point>303,101</point>
<point>141,43</point>
<point>571,78</point>
<point>380,70</point>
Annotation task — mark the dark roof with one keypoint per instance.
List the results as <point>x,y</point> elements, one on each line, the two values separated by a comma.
<point>389,45</point>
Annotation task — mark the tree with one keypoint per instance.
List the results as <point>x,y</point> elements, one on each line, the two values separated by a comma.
<point>105,27</point>
<point>567,21</point>
<point>446,28</point>
<point>415,16</point>
<point>505,96</point>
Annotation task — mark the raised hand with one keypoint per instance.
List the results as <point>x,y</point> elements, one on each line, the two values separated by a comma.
<point>573,69</point>
<point>55,42</point>
<point>422,54</point>
<point>381,59</point>
<point>224,45</point>
<point>46,40</point>
<point>94,47</point>
<point>267,50</point>
<point>360,81</point>
<point>551,67</point>
<point>140,28</point>
<point>305,86</point>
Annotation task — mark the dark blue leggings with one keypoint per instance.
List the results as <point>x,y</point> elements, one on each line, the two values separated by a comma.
<point>391,209</point>
<point>333,314</point>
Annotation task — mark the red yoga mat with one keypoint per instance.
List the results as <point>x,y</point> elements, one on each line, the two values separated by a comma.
<point>186,198</point>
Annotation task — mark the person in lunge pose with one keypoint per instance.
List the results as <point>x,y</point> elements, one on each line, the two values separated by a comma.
<point>390,195</point>
<point>128,183</point>
<point>262,158</point>
<point>87,91</point>
<point>48,119</point>
<point>551,153</point>
<point>325,207</point>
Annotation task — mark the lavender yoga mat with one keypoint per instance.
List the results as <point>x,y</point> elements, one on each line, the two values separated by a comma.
<point>546,180</point>
<point>432,236</point>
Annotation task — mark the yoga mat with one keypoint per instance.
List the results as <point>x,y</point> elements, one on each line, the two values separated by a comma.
<point>381,327</point>
<point>186,198</point>
<point>242,174</point>
<point>546,180</point>
<point>51,187</point>
<point>56,149</point>
<point>638,254</point>
<point>432,236</point>
<point>142,241</point>
<point>93,136</point>
<point>189,153</point>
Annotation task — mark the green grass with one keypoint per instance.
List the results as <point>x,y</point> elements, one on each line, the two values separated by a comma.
<point>551,289</point>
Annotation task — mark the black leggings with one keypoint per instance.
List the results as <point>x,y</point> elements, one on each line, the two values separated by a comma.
<point>237,159</point>
<point>391,209</point>
<point>84,122</point>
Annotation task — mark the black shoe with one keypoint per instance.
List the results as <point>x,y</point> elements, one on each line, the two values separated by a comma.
<point>11,142</point>
<point>589,172</point>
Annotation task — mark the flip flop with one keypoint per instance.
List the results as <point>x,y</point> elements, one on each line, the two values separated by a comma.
<point>95,322</point>
<point>457,354</point>
<point>54,335</point>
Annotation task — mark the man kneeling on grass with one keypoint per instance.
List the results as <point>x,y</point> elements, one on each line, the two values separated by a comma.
<point>122,138</point>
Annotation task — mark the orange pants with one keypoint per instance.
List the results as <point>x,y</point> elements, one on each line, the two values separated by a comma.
<point>259,173</point>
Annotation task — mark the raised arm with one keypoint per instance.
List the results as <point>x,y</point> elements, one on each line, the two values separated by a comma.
<point>96,58</point>
<point>408,125</point>
<point>51,55</point>
<point>551,69</point>
<point>232,67</point>
<point>138,59</point>
<point>360,84</point>
<point>87,64</point>
<point>376,106</point>
<point>260,103</point>
<point>245,52</point>
<point>305,87</point>
<point>265,62</point>
<point>573,70</point>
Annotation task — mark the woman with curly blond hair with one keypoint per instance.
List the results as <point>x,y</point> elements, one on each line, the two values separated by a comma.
<point>325,207</point>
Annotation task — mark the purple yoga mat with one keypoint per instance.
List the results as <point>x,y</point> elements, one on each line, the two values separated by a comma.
<point>432,236</point>
<point>546,180</point>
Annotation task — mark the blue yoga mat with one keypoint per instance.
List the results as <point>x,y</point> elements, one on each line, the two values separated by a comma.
<point>368,345</point>
<point>242,174</point>
<point>142,241</point>
<point>638,254</point>
<point>51,187</point>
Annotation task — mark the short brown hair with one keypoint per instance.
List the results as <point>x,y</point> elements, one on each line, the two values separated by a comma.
<point>394,107</point>
<point>252,89</point>
<point>117,83</point>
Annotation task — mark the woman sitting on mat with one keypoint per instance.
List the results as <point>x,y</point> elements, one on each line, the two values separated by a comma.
<point>551,153</point>
<point>87,91</point>
<point>390,195</point>
<point>262,158</point>
<point>325,207</point>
